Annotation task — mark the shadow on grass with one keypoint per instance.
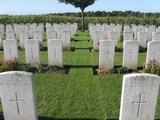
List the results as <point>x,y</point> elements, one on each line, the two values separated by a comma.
<point>80,40</point>
<point>82,48</point>
<point>1,116</point>
<point>47,118</point>
<point>44,49</point>
<point>80,66</point>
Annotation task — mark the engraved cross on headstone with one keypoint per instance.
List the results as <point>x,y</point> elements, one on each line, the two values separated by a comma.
<point>54,52</point>
<point>31,51</point>
<point>106,52</point>
<point>139,103</point>
<point>130,54</point>
<point>10,52</point>
<point>154,55</point>
<point>65,36</point>
<point>17,102</point>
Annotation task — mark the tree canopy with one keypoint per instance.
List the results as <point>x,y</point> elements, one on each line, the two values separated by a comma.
<point>82,4</point>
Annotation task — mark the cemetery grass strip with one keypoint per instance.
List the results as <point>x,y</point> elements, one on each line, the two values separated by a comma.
<point>78,96</point>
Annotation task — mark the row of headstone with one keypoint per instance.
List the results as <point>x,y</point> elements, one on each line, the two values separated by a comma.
<point>140,33</point>
<point>25,31</point>
<point>138,100</point>
<point>104,32</point>
<point>65,32</point>
<point>22,32</point>
<point>106,57</point>
<point>142,37</point>
<point>16,29</point>
<point>65,38</point>
<point>130,54</point>
<point>32,52</point>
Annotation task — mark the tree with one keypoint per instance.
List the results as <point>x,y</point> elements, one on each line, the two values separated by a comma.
<point>82,4</point>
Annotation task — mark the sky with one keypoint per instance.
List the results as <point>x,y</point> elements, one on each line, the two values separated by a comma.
<point>26,7</point>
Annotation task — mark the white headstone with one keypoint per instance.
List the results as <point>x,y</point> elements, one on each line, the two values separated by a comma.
<point>142,39</point>
<point>139,96</point>
<point>158,29</point>
<point>156,36</point>
<point>97,36</point>
<point>9,28</point>
<point>18,96</point>
<point>55,53</point>
<point>51,35</point>
<point>153,52</point>
<point>59,30</point>
<point>127,28</point>
<point>2,29</point>
<point>66,38</point>
<point>106,54</point>
<point>32,52</point>
<point>10,35</point>
<point>39,36</point>
<point>105,31</point>
<point>30,30</point>
<point>136,30</point>
<point>22,37</point>
<point>149,33</point>
<point>10,48</point>
<point>1,39</point>
<point>114,35</point>
<point>127,36</point>
<point>130,54</point>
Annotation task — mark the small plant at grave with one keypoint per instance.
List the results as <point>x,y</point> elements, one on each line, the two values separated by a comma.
<point>23,67</point>
<point>104,72</point>
<point>112,71</point>
<point>31,68</point>
<point>2,69</point>
<point>51,68</point>
<point>152,67</point>
<point>9,65</point>
<point>39,68</point>
<point>123,70</point>
<point>101,71</point>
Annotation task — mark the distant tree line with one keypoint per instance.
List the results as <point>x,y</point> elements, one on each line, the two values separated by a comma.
<point>116,17</point>
<point>128,13</point>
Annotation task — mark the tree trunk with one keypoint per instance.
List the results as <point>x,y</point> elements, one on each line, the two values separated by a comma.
<point>83,20</point>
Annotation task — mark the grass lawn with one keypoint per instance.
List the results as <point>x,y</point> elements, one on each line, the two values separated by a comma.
<point>79,94</point>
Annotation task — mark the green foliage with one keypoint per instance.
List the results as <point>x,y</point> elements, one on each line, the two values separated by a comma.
<point>43,68</point>
<point>112,71</point>
<point>9,65</point>
<point>120,70</point>
<point>74,19</point>
<point>153,67</point>
<point>123,70</point>
<point>82,4</point>
<point>52,68</point>
<point>23,67</point>
<point>2,69</point>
